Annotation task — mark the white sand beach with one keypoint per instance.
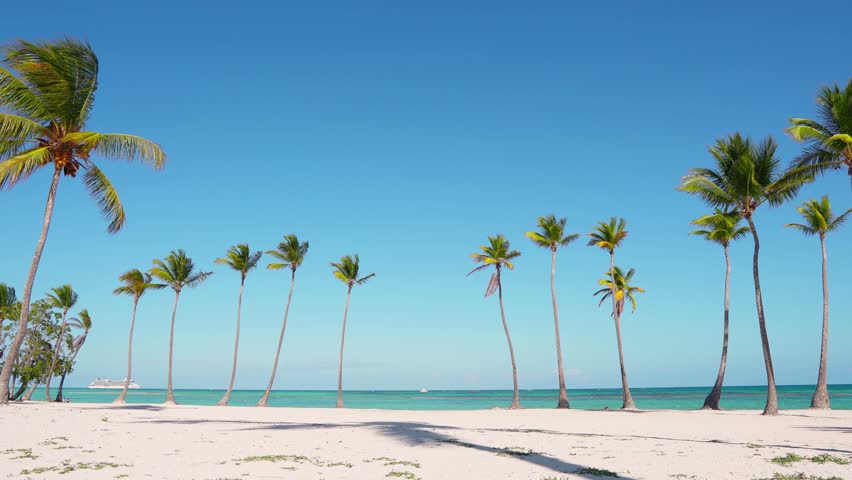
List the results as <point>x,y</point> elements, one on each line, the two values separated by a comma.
<point>97,441</point>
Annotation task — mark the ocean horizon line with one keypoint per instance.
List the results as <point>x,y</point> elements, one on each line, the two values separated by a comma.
<point>791,385</point>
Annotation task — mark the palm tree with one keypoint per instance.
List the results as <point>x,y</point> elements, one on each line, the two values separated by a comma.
<point>290,254</point>
<point>722,227</point>
<point>498,253</point>
<point>46,97</point>
<point>618,287</point>
<point>62,298</point>
<point>135,284</point>
<point>347,271</point>
<point>820,220</point>
<point>84,323</point>
<point>828,140</point>
<point>551,235</point>
<point>177,271</point>
<point>241,259</point>
<point>746,176</point>
<point>609,236</point>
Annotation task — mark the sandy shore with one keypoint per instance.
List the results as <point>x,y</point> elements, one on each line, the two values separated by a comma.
<point>95,441</point>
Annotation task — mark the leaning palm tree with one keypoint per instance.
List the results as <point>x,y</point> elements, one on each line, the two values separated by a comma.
<point>134,284</point>
<point>609,236</point>
<point>289,254</point>
<point>828,140</point>
<point>498,253</point>
<point>722,227</point>
<point>62,298</point>
<point>177,271</point>
<point>347,271</point>
<point>47,90</point>
<point>748,175</point>
<point>241,259</point>
<point>83,321</point>
<point>551,235</point>
<point>617,286</point>
<point>819,220</point>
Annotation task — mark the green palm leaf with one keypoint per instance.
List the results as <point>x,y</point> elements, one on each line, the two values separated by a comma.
<point>101,189</point>
<point>21,166</point>
<point>119,146</point>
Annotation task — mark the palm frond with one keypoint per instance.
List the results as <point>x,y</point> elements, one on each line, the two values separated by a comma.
<point>62,297</point>
<point>102,191</point>
<point>62,73</point>
<point>290,253</point>
<point>7,296</point>
<point>120,146</point>
<point>608,235</point>
<point>19,128</point>
<point>22,165</point>
<point>136,284</point>
<point>16,96</point>
<point>82,321</point>
<point>240,258</point>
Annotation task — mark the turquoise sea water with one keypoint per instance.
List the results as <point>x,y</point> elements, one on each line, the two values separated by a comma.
<point>682,398</point>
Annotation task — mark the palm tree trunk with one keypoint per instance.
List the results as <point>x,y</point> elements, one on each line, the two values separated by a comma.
<point>20,391</point>
<point>12,354</point>
<point>27,396</point>
<point>170,394</point>
<point>224,401</point>
<point>563,394</point>
<point>342,339</point>
<point>70,365</point>
<point>123,395</point>
<point>625,388</point>
<point>516,399</point>
<point>712,400</point>
<point>56,350</point>
<point>771,394</point>
<point>61,384</point>
<point>264,400</point>
<point>820,398</point>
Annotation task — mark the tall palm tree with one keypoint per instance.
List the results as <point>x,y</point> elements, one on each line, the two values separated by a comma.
<point>722,227</point>
<point>62,298</point>
<point>83,322</point>
<point>828,140</point>
<point>819,220</point>
<point>748,175</point>
<point>290,254</point>
<point>47,90</point>
<point>134,284</point>
<point>617,286</point>
<point>241,259</point>
<point>499,254</point>
<point>609,236</point>
<point>551,235</point>
<point>177,271</point>
<point>347,270</point>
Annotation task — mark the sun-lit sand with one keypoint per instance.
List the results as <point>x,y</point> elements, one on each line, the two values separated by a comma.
<point>96,441</point>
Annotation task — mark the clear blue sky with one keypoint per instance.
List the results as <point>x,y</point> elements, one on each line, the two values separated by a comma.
<point>409,133</point>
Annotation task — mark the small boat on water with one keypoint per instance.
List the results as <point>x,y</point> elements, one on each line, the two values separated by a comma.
<point>423,390</point>
<point>114,384</point>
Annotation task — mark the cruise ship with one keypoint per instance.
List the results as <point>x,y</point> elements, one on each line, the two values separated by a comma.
<point>107,383</point>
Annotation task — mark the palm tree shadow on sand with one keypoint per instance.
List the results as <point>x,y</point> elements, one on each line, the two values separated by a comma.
<point>409,433</point>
